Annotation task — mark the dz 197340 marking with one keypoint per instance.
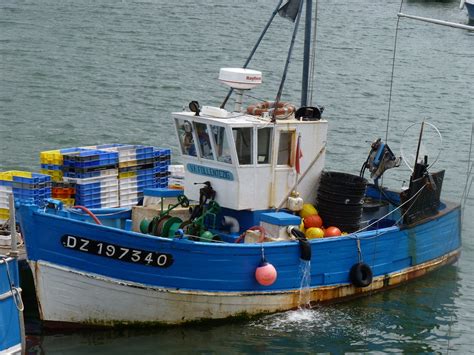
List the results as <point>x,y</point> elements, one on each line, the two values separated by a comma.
<point>117,252</point>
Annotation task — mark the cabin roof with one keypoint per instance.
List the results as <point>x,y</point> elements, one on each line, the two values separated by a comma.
<point>239,119</point>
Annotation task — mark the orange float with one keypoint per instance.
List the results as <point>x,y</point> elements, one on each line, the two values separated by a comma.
<point>313,221</point>
<point>332,232</point>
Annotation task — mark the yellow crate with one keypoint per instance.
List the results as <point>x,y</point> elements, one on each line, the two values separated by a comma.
<point>53,157</point>
<point>4,213</point>
<point>56,175</point>
<point>8,175</point>
<point>128,174</point>
<point>126,164</point>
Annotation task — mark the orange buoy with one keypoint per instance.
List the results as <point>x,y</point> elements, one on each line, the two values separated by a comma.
<point>266,274</point>
<point>313,233</point>
<point>332,232</point>
<point>308,210</point>
<point>313,221</point>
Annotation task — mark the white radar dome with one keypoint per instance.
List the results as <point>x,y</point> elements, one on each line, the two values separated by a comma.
<point>240,78</point>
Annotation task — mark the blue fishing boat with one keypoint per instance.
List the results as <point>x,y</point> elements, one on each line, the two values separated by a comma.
<point>11,306</point>
<point>243,238</point>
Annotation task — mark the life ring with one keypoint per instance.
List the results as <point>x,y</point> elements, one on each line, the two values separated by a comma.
<point>361,275</point>
<point>281,111</point>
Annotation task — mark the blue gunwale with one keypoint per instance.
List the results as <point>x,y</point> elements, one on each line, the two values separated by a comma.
<point>228,267</point>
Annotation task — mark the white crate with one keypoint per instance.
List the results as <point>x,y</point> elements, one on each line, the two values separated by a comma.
<point>111,176</point>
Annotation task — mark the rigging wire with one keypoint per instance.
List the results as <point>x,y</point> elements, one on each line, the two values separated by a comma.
<point>470,164</point>
<point>393,73</point>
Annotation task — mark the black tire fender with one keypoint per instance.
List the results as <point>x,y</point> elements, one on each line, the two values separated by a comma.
<point>361,275</point>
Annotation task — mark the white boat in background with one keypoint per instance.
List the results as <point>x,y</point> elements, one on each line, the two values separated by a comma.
<point>469,5</point>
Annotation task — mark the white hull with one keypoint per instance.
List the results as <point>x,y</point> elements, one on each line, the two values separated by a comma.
<point>66,295</point>
<point>70,296</point>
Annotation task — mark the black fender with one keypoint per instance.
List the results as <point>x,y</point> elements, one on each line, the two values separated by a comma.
<point>361,275</point>
<point>305,249</point>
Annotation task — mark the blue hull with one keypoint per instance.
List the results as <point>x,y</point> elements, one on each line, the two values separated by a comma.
<point>10,316</point>
<point>61,240</point>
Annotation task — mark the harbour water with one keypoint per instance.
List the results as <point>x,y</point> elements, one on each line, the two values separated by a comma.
<point>82,72</point>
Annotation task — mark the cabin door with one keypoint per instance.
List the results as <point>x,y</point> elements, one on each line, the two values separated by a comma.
<point>284,161</point>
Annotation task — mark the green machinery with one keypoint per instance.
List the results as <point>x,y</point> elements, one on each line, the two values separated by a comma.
<point>204,214</point>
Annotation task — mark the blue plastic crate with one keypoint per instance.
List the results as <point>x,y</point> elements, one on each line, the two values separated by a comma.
<point>50,167</point>
<point>72,150</point>
<point>30,186</point>
<point>92,163</point>
<point>146,172</point>
<point>149,175</point>
<point>88,188</point>
<point>90,155</point>
<point>34,179</point>
<point>36,193</point>
<point>144,149</point>
<point>95,194</point>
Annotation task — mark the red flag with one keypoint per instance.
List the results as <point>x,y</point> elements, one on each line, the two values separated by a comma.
<point>299,155</point>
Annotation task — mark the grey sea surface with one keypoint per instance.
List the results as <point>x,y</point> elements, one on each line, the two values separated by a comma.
<point>83,72</point>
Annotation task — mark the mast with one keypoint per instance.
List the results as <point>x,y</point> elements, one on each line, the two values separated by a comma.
<point>307,47</point>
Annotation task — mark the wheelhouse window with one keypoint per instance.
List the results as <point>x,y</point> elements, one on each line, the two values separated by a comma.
<point>186,137</point>
<point>284,147</point>
<point>264,145</point>
<point>204,142</point>
<point>221,143</point>
<point>243,138</point>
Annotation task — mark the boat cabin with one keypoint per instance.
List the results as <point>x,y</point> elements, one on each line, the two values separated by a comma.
<point>251,162</point>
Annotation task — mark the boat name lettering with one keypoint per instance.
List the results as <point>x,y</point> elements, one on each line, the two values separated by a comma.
<point>118,252</point>
<point>211,172</point>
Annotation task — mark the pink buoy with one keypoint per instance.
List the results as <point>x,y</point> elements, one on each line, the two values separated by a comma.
<point>266,274</point>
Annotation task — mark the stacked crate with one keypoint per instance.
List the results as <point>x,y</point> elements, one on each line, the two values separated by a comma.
<point>26,187</point>
<point>64,192</point>
<point>109,175</point>
<point>164,163</point>
<point>52,162</point>
<point>139,168</point>
<point>94,173</point>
